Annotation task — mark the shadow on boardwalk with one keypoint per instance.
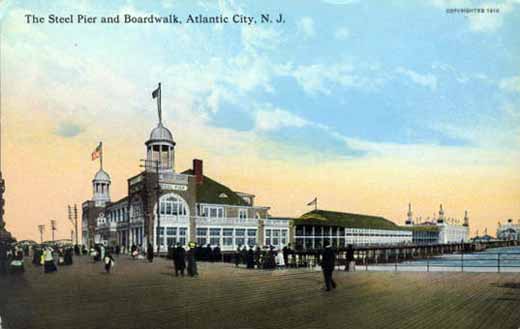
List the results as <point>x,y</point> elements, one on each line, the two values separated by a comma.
<point>143,295</point>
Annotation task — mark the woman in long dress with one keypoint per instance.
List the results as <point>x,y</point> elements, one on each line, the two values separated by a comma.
<point>48,265</point>
<point>109,261</point>
<point>192,263</point>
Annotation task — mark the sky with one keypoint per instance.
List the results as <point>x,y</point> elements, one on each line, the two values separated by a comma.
<point>367,105</point>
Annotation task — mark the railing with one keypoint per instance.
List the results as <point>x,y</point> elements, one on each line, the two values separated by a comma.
<point>474,262</point>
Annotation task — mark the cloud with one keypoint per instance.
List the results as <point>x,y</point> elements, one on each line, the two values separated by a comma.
<point>424,80</point>
<point>342,33</point>
<point>320,78</point>
<point>511,84</point>
<point>68,129</point>
<point>306,26</point>
<point>276,118</point>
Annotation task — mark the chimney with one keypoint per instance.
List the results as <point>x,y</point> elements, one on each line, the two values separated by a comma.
<point>197,171</point>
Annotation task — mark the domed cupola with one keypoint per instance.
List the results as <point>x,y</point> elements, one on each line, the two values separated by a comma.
<point>160,146</point>
<point>101,181</point>
<point>441,218</point>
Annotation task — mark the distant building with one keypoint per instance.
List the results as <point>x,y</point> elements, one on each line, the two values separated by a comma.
<point>439,230</point>
<point>509,230</point>
<point>318,228</point>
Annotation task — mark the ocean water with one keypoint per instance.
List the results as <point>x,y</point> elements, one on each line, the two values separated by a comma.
<point>492,260</point>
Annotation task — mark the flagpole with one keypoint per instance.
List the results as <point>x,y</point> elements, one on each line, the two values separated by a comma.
<point>159,104</point>
<point>316,204</point>
<point>101,155</point>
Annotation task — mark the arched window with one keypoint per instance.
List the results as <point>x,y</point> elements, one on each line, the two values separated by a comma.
<point>172,206</point>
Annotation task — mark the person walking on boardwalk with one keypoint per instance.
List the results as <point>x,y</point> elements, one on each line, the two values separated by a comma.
<point>48,261</point>
<point>179,260</point>
<point>149,252</point>
<point>350,258</point>
<point>250,261</point>
<point>237,256</point>
<point>109,261</point>
<point>190,257</point>
<point>3,258</point>
<point>328,260</point>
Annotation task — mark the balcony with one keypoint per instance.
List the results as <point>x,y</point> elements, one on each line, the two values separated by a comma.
<point>226,221</point>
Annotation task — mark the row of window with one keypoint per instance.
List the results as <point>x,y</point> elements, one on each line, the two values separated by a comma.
<point>229,237</point>
<point>170,236</point>
<point>341,231</point>
<point>172,207</point>
<point>218,212</point>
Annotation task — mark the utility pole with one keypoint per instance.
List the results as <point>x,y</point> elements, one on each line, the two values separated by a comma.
<point>155,164</point>
<point>73,218</point>
<point>53,228</point>
<point>41,228</point>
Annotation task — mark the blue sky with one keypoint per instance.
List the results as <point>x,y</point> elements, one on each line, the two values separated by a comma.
<point>380,72</point>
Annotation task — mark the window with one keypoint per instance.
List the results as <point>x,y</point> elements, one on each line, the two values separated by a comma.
<point>171,230</point>
<point>251,237</point>
<point>172,206</point>
<point>212,212</point>
<point>228,237</point>
<point>202,231</point>
<point>214,238</point>
<point>242,213</point>
<point>240,234</point>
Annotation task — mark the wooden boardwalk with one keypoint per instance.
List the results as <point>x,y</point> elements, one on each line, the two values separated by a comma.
<point>142,295</point>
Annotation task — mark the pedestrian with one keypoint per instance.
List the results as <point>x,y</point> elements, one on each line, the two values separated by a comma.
<point>109,261</point>
<point>192,262</point>
<point>149,252</point>
<point>3,258</point>
<point>102,251</point>
<point>217,255</point>
<point>285,251</point>
<point>280,260</point>
<point>250,258</point>
<point>237,256</point>
<point>350,258</point>
<point>328,260</point>
<point>179,260</point>
<point>48,261</point>
<point>243,255</point>
<point>258,254</point>
<point>133,251</point>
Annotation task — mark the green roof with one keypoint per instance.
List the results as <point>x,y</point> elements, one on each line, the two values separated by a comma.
<point>334,218</point>
<point>210,191</point>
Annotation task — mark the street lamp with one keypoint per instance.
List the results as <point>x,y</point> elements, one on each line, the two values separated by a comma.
<point>41,228</point>
<point>53,228</point>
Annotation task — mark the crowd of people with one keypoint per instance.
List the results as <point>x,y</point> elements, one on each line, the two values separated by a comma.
<point>184,260</point>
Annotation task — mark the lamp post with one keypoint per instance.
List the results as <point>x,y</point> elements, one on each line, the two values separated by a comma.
<point>53,228</point>
<point>155,164</point>
<point>41,228</point>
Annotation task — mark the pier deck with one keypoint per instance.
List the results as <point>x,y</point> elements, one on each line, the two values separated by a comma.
<point>142,295</point>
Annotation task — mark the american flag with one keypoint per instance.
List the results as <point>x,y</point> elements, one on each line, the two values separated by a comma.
<point>97,152</point>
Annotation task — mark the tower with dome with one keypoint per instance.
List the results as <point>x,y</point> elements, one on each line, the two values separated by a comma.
<point>163,207</point>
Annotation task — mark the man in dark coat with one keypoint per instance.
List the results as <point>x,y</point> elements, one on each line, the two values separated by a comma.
<point>328,260</point>
<point>250,258</point>
<point>179,260</point>
<point>217,255</point>
<point>285,252</point>
<point>149,252</point>
<point>350,257</point>
<point>3,258</point>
